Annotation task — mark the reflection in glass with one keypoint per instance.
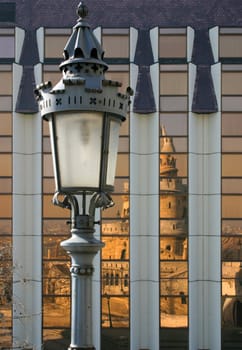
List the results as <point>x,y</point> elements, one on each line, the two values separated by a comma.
<point>232,293</point>
<point>176,123</point>
<point>174,311</point>
<point>232,185</point>
<point>55,338</point>
<point>119,211</point>
<point>116,248</point>
<point>5,123</point>
<point>7,44</point>
<point>5,206</point>
<point>231,124</point>
<point>173,232</point>
<point>56,311</point>
<point>230,45</point>
<point>5,290</point>
<point>174,285</point>
<point>232,227</point>
<point>56,227</point>
<point>231,206</point>
<point>5,185</point>
<point>180,143</point>
<point>173,248</point>
<point>52,249</point>
<point>5,164</point>
<point>5,227</point>
<point>232,144</point>
<point>172,46</point>
<point>6,144</point>
<point>173,83</point>
<point>115,311</point>
<point>54,45</point>
<point>115,278</point>
<point>116,46</point>
<point>231,248</point>
<point>52,211</point>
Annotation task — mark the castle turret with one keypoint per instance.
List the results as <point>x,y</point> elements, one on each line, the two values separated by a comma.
<point>173,202</point>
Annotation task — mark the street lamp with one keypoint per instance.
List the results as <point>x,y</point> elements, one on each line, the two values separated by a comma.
<point>85,112</point>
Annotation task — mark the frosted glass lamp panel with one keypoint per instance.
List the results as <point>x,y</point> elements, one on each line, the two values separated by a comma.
<point>79,140</point>
<point>113,151</point>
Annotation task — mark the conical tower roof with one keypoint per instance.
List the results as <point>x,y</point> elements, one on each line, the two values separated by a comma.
<point>167,142</point>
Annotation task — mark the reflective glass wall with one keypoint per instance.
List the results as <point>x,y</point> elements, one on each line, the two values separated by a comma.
<point>7,39</point>
<point>231,242</point>
<point>115,287</point>
<point>55,263</point>
<point>173,189</point>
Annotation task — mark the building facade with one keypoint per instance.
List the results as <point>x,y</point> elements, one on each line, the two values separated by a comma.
<point>169,276</point>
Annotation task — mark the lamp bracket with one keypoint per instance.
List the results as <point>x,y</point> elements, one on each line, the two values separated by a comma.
<point>100,200</point>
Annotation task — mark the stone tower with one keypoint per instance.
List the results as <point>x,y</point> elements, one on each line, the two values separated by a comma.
<point>173,204</point>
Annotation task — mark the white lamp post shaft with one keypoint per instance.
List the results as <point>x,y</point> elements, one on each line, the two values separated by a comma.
<point>82,247</point>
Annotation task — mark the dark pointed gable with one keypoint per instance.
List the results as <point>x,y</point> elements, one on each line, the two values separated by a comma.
<point>204,98</point>
<point>144,101</point>
<point>26,102</point>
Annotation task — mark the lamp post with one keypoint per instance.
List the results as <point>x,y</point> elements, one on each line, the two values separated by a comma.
<point>85,112</point>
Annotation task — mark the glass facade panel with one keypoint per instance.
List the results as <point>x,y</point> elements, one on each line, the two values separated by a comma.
<point>231,165</point>
<point>115,234</point>
<point>232,144</point>
<point>173,83</point>
<point>231,103</point>
<point>230,45</point>
<point>116,45</point>
<point>231,124</point>
<point>6,267</point>
<point>232,185</point>
<point>174,312</point>
<point>175,123</point>
<point>55,262</point>
<point>6,88</point>
<point>5,123</point>
<point>231,206</point>
<point>7,43</point>
<point>6,103</point>
<point>173,202</point>
<point>172,46</point>
<point>54,45</point>
<point>231,251</point>
<point>173,103</point>
<point>231,83</point>
<point>56,312</point>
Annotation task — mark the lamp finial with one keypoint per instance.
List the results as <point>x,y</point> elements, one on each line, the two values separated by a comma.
<point>82,10</point>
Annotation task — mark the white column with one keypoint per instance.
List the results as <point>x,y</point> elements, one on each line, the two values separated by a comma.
<point>144,224</point>
<point>204,222</point>
<point>26,225</point>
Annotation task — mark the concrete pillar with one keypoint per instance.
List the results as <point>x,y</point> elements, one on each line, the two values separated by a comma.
<point>144,223</point>
<point>204,221</point>
<point>27,173</point>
